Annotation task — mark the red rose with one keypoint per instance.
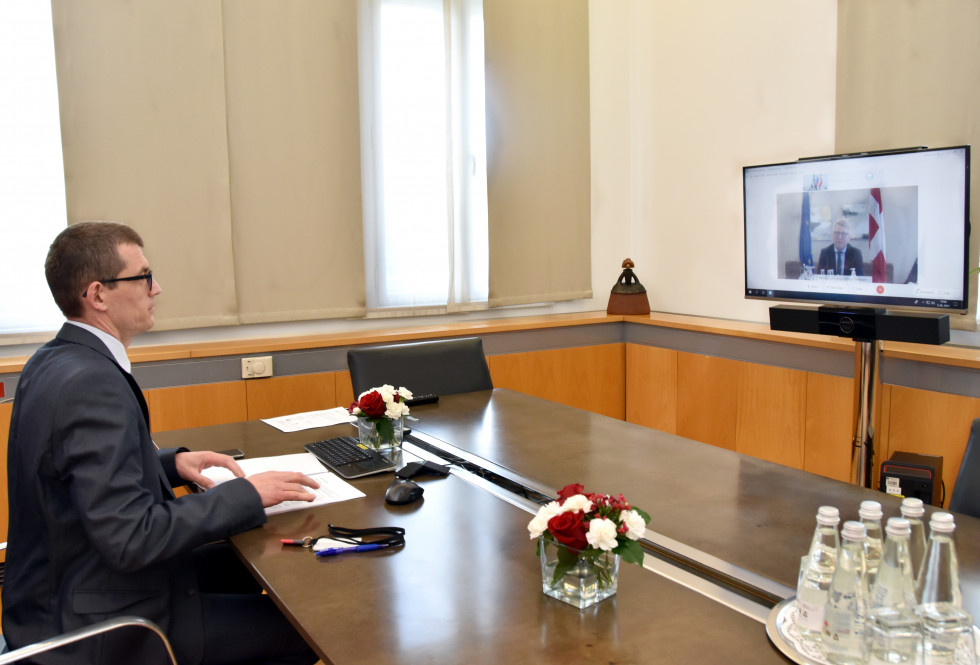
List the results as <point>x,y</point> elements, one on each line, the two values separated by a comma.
<point>372,404</point>
<point>569,490</point>
<point>569,529</point>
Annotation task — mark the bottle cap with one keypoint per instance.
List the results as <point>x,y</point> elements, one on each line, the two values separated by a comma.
<point>912,507</point>
<point>942,523</point>
<point>854,530</point>
<point>870,510</point>
<point>898,526</point>
<point>828,516</point>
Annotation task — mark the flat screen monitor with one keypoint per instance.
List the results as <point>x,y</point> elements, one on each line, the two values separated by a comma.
<point>886,229</point>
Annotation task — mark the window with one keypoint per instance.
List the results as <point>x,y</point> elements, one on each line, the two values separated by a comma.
<point>32,185</point>
<point>423,153</point>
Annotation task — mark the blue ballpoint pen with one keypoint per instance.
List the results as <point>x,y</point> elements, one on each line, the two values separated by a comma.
<point>355,548</point>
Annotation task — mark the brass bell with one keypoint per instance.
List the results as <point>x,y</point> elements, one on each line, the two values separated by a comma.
<point>628,296</point>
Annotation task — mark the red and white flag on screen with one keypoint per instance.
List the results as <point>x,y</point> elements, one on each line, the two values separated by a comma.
<point>876,236</point>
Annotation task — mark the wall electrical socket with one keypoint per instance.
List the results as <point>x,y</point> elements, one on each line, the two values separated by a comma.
<point>254,368</point>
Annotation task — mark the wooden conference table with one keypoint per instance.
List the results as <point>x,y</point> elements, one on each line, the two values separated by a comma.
<point>467,585</point>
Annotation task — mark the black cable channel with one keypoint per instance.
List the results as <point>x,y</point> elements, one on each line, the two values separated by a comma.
<point>686,563</point>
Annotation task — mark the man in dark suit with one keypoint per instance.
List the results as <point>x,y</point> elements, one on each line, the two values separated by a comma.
<point>95,529</point>
<point>840,257</point>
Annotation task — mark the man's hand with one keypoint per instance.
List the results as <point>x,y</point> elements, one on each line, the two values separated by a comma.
<point>191,464</point>
<point>278,486</point>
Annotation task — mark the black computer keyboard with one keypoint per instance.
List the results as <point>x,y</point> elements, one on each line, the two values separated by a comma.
<point>339,451</point>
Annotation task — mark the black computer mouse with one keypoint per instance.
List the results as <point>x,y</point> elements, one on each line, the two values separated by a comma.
<point>403,491</point>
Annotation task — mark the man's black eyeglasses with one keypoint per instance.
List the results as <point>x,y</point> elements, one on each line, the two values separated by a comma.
<point>135,278</point>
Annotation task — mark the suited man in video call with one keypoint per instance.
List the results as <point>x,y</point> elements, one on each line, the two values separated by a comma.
<point>841,257</point>
<point>95,528</point>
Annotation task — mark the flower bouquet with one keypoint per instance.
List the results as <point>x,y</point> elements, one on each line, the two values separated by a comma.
<point>380,416</point>
<point>581,538</point>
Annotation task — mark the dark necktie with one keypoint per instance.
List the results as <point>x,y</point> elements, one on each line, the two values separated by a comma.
<point>840,263</point>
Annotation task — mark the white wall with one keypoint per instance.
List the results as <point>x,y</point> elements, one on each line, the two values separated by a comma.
<point>713,86</point>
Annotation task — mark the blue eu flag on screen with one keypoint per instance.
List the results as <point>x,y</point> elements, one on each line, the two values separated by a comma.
<point>806,251</point>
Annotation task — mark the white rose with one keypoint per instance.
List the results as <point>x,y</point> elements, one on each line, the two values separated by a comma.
<point>602,534</point>
<point>396,410</point>
<point>387,393</point>
<point>539,524</point>
<point>405,392</point>
<point>634,523</point>
<point>577,502</point>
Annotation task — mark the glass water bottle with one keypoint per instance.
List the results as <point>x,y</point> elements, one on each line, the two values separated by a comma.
<point>816,571</point>
<point>893,630</point>
<point>847,600</point>
<point>947,629</point>
<point>870,514</point>
<point>913,510</point>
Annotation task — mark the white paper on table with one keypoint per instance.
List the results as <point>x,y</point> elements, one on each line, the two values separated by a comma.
<point>332,488</point>
<point>311,419</point>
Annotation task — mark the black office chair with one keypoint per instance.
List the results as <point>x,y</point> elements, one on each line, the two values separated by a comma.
<point>966,492</point>
<point>100,628</point>
<point>442,367</point>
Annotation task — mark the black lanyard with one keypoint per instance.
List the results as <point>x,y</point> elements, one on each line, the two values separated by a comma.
<point>359,539</point>
<point>392,536</point>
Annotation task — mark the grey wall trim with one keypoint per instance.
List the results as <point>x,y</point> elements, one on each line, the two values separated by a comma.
<point>229,368</point>
<point>824,361</point>
<point>925,376</point>
<point>522,341</point>
<point>170,373</point>
<point>9,382</point>
<point>553,338</point>
<point>310,361</point>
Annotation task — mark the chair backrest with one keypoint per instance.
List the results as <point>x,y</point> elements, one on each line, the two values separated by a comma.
<point>107,626</point>
<point>966,492</point>
<point>443,367</point>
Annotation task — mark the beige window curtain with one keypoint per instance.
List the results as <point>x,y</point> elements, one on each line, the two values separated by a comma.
<point>538,150</point>
<point>227,133</point>
<point>141,92</point>
<point>294,151</point>
<point>909,74</point>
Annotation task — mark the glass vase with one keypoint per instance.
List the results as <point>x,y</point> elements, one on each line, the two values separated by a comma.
<point>577,578</point>
<point>368,434</point>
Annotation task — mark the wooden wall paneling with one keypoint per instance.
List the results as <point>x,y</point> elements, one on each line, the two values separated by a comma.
<point>343,388</point>
<point>931,423</point>
<point>196,406</point>
<point>829,425</point>
<point>707,399</point>
<point>283,395</point>
<point>651,387</point>
<point>771,407</point>
<point>5,411</point>
<point>589,377</point>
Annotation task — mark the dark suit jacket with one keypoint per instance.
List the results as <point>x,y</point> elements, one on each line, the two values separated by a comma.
<point>95,530</point>
<point>852,259</point>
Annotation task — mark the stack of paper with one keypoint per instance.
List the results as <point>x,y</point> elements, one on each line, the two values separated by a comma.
<point>332,488</point>
<point>310,419</point>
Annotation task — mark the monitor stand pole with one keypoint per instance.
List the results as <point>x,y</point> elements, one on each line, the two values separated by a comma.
<point>867,356</point>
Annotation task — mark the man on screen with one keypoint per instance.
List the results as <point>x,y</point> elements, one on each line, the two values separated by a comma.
<point>840,258</point>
